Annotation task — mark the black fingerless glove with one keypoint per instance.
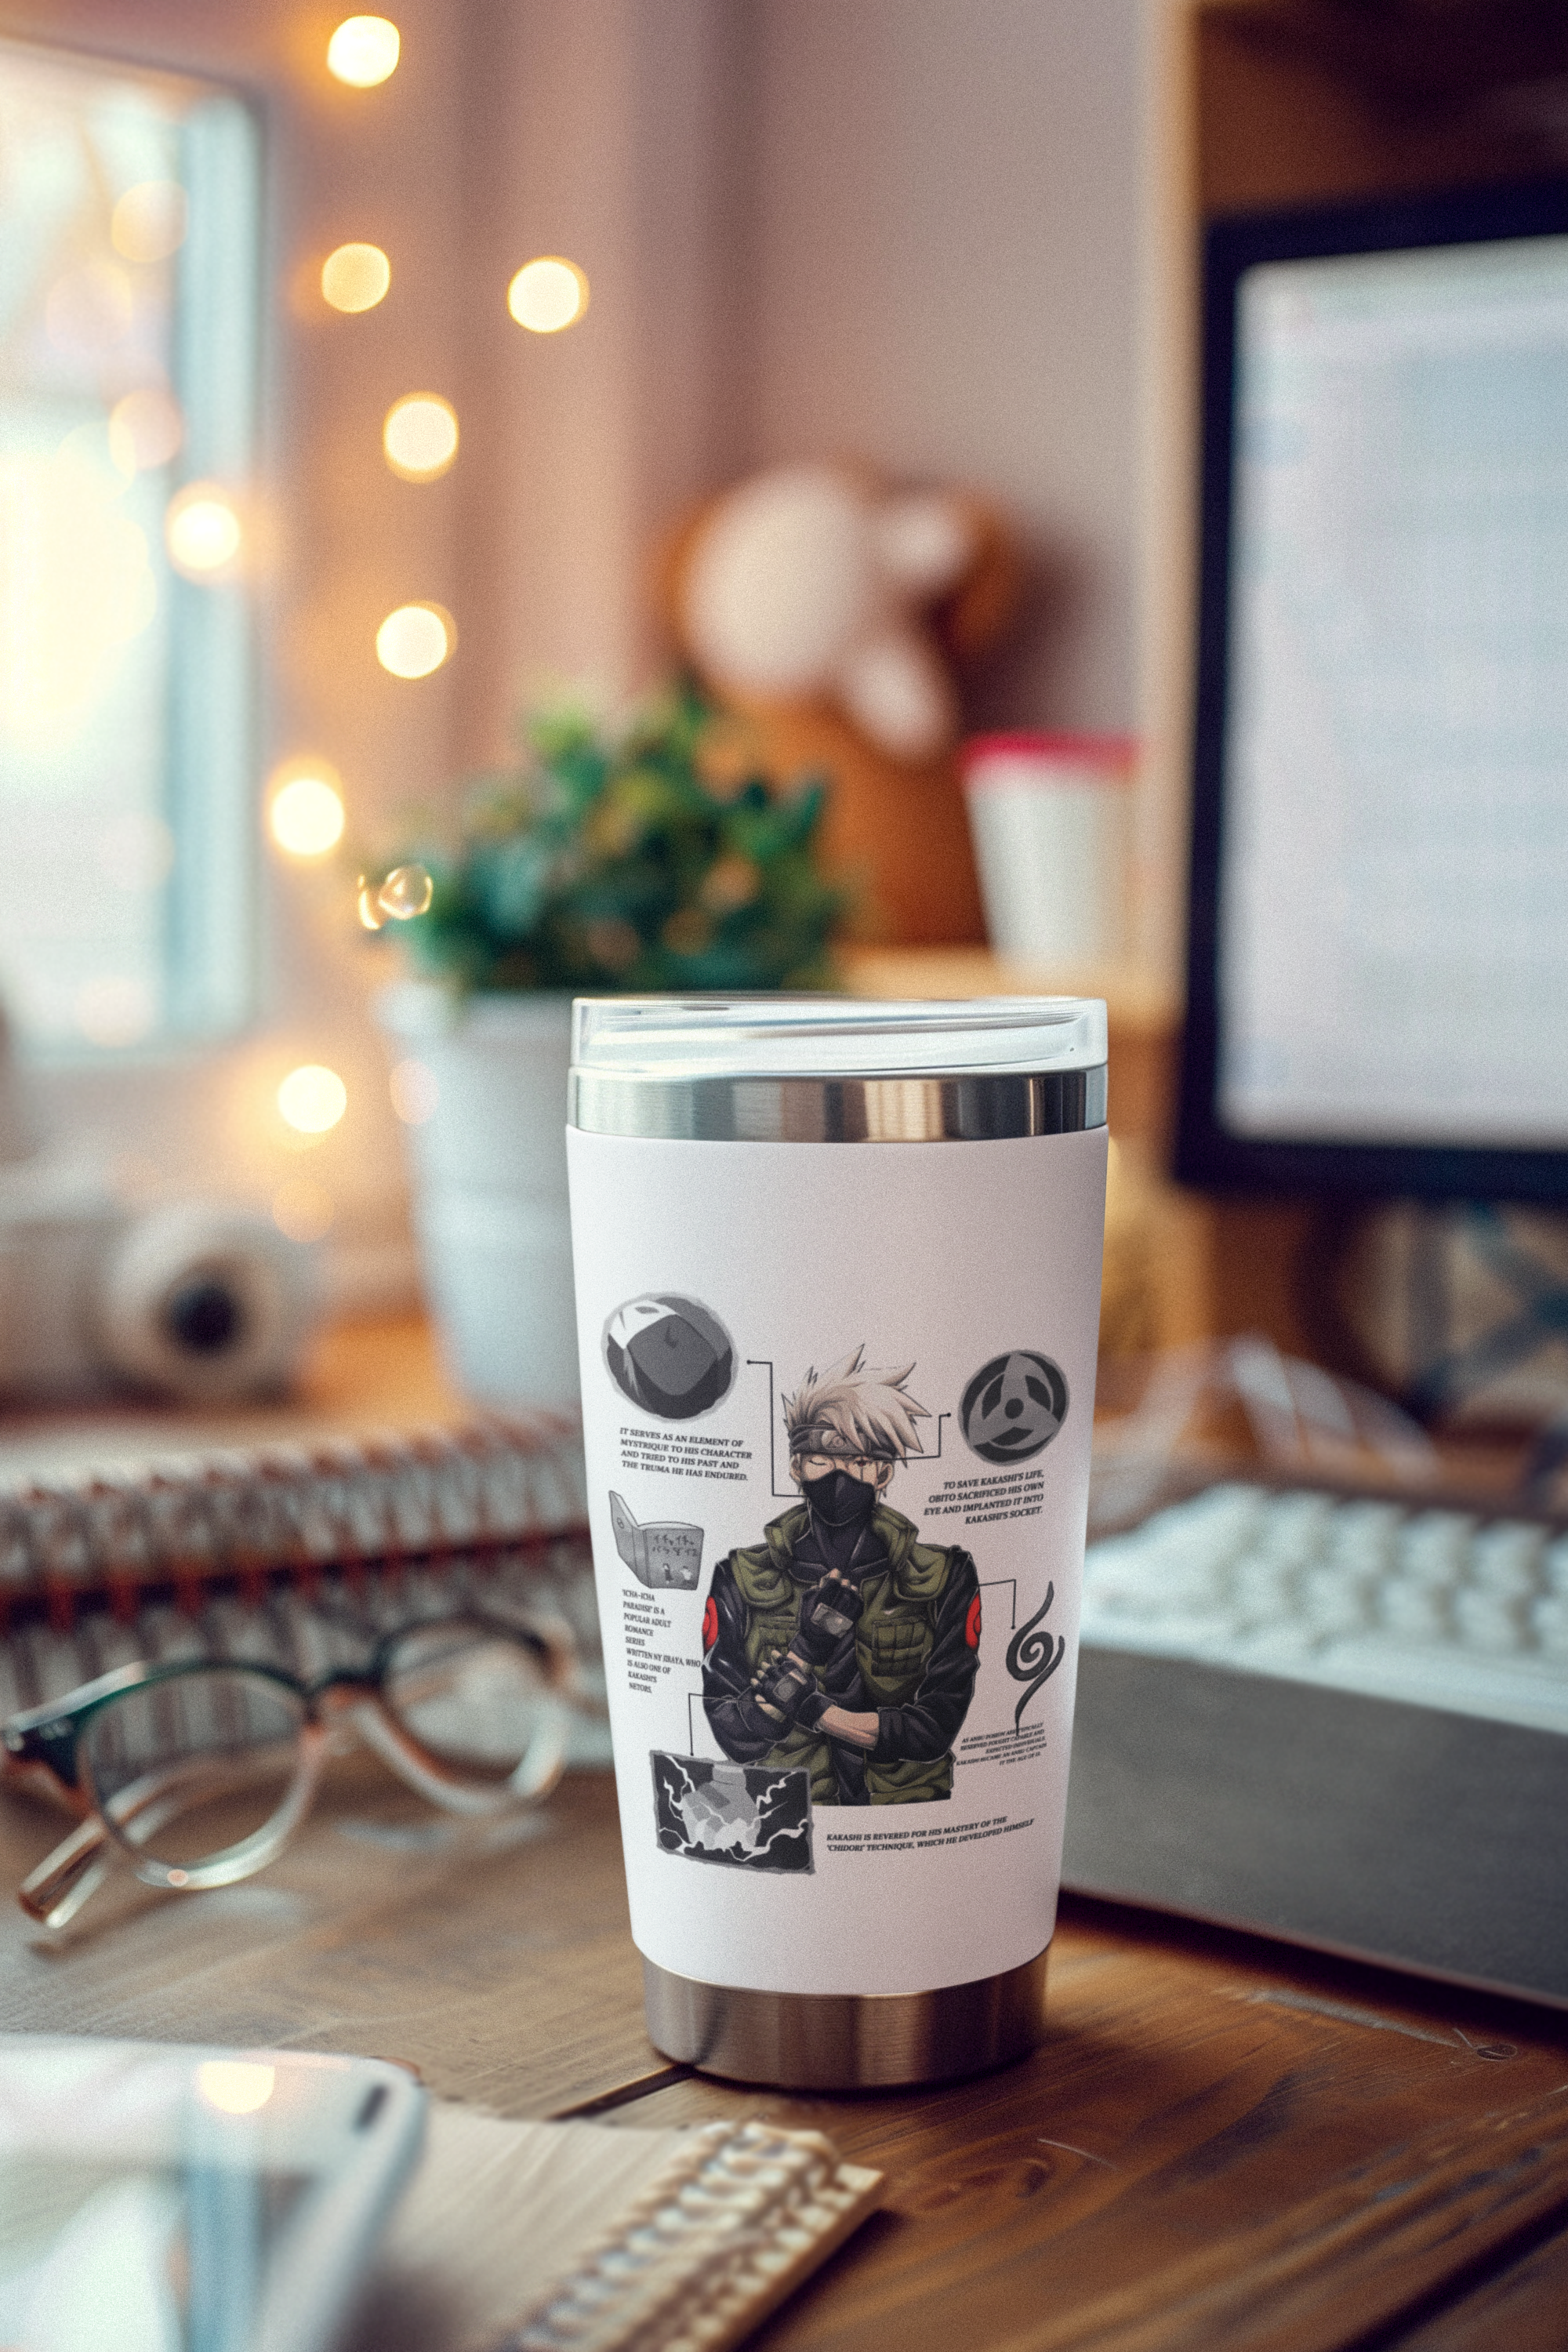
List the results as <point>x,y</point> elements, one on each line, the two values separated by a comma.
<point>829,1612</point>
<point>787,1691</point>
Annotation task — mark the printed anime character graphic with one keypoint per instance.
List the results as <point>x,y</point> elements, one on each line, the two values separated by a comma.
<point>841,1641</point>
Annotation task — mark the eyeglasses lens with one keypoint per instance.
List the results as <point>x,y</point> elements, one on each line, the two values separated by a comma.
<point>473,1697</point>
<point>187,1769</point>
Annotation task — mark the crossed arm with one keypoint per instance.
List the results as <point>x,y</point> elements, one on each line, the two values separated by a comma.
<point>750,1712</point>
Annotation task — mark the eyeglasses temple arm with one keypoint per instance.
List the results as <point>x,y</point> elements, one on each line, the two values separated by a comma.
<point>55,1891</point>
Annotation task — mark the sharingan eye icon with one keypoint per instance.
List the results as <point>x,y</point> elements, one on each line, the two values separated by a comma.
<point>670,1355</point>
<point>1013,1406</point>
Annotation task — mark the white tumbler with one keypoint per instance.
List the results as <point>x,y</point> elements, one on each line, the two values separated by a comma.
<point>838,1270</point>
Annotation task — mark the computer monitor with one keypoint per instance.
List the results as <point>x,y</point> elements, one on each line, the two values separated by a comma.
<point>1378,930</point>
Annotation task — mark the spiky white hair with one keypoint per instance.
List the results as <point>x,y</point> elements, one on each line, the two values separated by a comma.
<point>855,1408</point>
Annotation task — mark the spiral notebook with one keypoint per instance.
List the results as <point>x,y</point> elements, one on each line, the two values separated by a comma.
<point>287,1553</point>
<point>575,2238</point>
<point>514,2237</point>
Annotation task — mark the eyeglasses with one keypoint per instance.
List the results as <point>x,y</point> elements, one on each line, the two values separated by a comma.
<point>199,1772</point>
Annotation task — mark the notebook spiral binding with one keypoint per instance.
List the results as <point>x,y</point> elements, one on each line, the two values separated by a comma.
<point>708,2249</point>
<point>300,1554</point>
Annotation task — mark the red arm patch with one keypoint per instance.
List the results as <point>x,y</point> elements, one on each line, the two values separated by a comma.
<point>971,1624</point>
<point>710,1623</point>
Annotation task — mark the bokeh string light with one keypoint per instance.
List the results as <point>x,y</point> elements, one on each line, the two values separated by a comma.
<point>419,441</point>
<point>312,1098</point>
<point>355,277</point>
<point>201,530</point>
<point>548,294</point>
<point>363,51</point>
<point>415,640</point>
<point>305,814</point>
<point>419,438</point>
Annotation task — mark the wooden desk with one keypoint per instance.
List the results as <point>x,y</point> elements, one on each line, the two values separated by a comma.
<point>1222,2143</point>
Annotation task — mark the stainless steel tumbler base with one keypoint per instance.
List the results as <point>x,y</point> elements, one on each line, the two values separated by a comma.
<point>846,2042</point>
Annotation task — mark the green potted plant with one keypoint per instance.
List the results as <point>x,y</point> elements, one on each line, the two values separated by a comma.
<point>644,859</point>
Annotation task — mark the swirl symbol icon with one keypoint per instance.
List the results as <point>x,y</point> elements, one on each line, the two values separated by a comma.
<point>1034,1656</point>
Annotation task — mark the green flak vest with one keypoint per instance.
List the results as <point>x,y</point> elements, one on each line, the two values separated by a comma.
<point>893,1639</point>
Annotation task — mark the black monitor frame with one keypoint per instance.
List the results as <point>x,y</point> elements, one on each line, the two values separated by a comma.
<point>1208,1154</point>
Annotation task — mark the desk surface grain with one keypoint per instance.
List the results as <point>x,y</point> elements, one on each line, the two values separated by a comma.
<point>504,1972</point>
<point>1221,2143</point>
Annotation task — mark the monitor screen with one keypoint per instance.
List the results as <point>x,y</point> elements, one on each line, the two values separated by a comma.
<point>1379,928</point>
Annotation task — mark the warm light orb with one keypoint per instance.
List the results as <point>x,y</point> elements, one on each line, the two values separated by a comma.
<point>200,529</point>
<point>363,51</point>
<point>312,1098</point>
<point>415,640</point>
<point>305,816</point>
<point>235,2087</point>
<point>148,222</point>
<point>145,430</point>
<point>547,294</point>
<point>420,435</point>
<point>355,277</point>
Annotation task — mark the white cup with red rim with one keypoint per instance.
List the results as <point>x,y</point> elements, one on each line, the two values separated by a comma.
<point>1052,820</point>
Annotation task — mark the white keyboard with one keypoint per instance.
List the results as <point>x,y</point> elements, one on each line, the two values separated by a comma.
<point>1434,1607</point>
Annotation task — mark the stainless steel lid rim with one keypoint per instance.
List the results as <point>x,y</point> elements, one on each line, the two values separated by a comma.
<point>971,1106</point>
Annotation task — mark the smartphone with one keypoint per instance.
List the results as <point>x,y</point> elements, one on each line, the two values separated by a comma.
<point>157,2198</point>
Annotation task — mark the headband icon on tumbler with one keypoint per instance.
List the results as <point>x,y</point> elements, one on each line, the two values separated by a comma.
<point>670,1355</point>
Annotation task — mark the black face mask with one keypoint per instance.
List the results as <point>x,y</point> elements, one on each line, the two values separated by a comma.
<point>840,1501</point>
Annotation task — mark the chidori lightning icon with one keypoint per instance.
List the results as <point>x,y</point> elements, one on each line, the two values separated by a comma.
<point>714,1811</point>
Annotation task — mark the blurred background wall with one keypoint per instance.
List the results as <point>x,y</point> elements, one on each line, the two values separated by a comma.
<point>907,231</point>
<point>946,206</point>
<point>902,230</point>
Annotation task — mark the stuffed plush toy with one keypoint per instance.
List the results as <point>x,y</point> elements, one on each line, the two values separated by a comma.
<point>828,609</point>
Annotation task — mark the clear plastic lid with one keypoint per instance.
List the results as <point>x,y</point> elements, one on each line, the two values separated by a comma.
<point>834,1036</point>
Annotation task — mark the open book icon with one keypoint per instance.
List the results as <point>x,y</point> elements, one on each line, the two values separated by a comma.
<point>668,1552</point>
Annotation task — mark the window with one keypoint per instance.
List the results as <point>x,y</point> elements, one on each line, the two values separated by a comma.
<point>128,303</point>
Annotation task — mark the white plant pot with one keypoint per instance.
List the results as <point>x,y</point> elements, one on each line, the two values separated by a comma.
<point>488,1166</point>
